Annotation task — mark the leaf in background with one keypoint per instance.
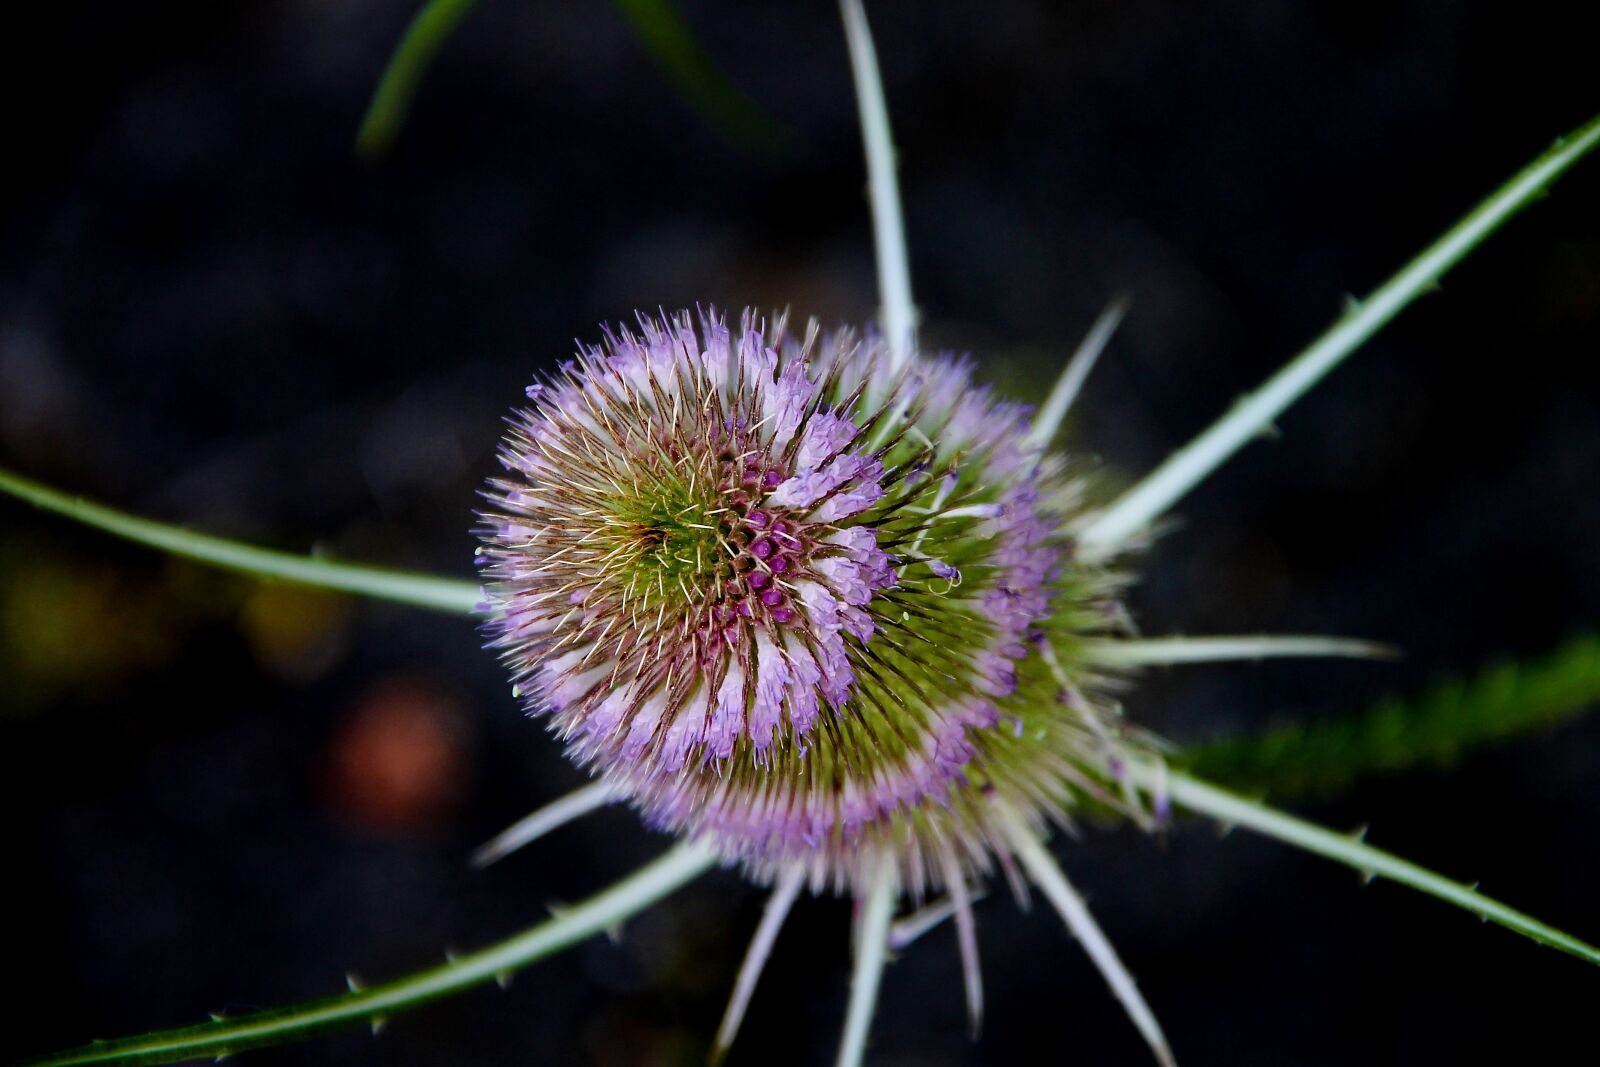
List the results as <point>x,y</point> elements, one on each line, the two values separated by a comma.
<point>657,25</point>
<point>391,100</point>
<point>1322,758</point>
<point>689,67</point>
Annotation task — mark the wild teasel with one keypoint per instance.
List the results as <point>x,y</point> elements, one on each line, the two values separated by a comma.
<point>1100,536</point>
<point>813,607</point>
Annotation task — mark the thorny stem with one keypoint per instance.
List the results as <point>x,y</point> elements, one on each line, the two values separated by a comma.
<point>418,590</point>
<point>888,222</point>
<point>603,911</point>
<point>1141,505</point>
<point>1350,849</point>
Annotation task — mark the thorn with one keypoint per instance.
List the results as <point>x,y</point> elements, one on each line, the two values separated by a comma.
<point>1359,834</point>
<point>614,932</point>
<point>503,979</point>
<point>1225,828</point>
<point>352,981</point>
<point>217,1016</point>
<point>1351,303</point>
<point>451,955</point>
<point>1368,876</point>
<point>222,1056</point>
<point>378,1023</point>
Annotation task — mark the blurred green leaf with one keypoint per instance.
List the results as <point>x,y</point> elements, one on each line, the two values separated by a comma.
<point>391,100</point>
<point>1323,758</point>
<point>657,25</point>
<point>689,67</point>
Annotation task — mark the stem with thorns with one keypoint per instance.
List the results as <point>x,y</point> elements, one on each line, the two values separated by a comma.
<point>1149,499</point>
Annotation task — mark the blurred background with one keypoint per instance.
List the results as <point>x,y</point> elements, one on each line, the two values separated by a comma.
<point>221,795</point>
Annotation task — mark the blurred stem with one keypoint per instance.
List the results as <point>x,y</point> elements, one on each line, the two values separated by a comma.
<point>418,590</point>
<point>1231,810</point>
<point>1134,511</point>
<point>391,100</point>
<point>226,1036</point>
<point>1321,758</point>
<point>659,29</point>
<point>663,33</point>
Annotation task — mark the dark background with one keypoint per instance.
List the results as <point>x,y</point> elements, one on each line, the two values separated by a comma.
<point>220,795</point>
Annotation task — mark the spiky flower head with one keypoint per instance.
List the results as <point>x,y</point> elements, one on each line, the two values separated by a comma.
<point>805,604</point>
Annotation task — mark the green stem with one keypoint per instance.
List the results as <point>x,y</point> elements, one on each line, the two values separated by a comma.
<point>372,1006</point>
<point>1351,850</point>
<point>1186,468</point>
<point>391,100</point>
<point>420,590</point>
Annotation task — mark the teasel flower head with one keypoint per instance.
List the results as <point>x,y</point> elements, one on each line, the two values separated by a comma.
<point>813,607</point>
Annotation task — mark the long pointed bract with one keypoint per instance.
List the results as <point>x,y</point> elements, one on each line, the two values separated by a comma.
<point>601,912</point>
<point>1048,422</point>
<point>755,957</point>
<point>907,929</point>
<point>535,825</point>
<point>419,590</point>
<point>1047,875</point>
<point>1351,850</point>
<point>888,222</point>
<point>872,952</point>
<point>1164,651</point>
<point>1136,509</point>
<point>966,940</point>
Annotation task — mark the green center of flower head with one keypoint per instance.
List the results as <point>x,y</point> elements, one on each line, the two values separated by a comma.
<point>668,545</point>
<point>795,601</point>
